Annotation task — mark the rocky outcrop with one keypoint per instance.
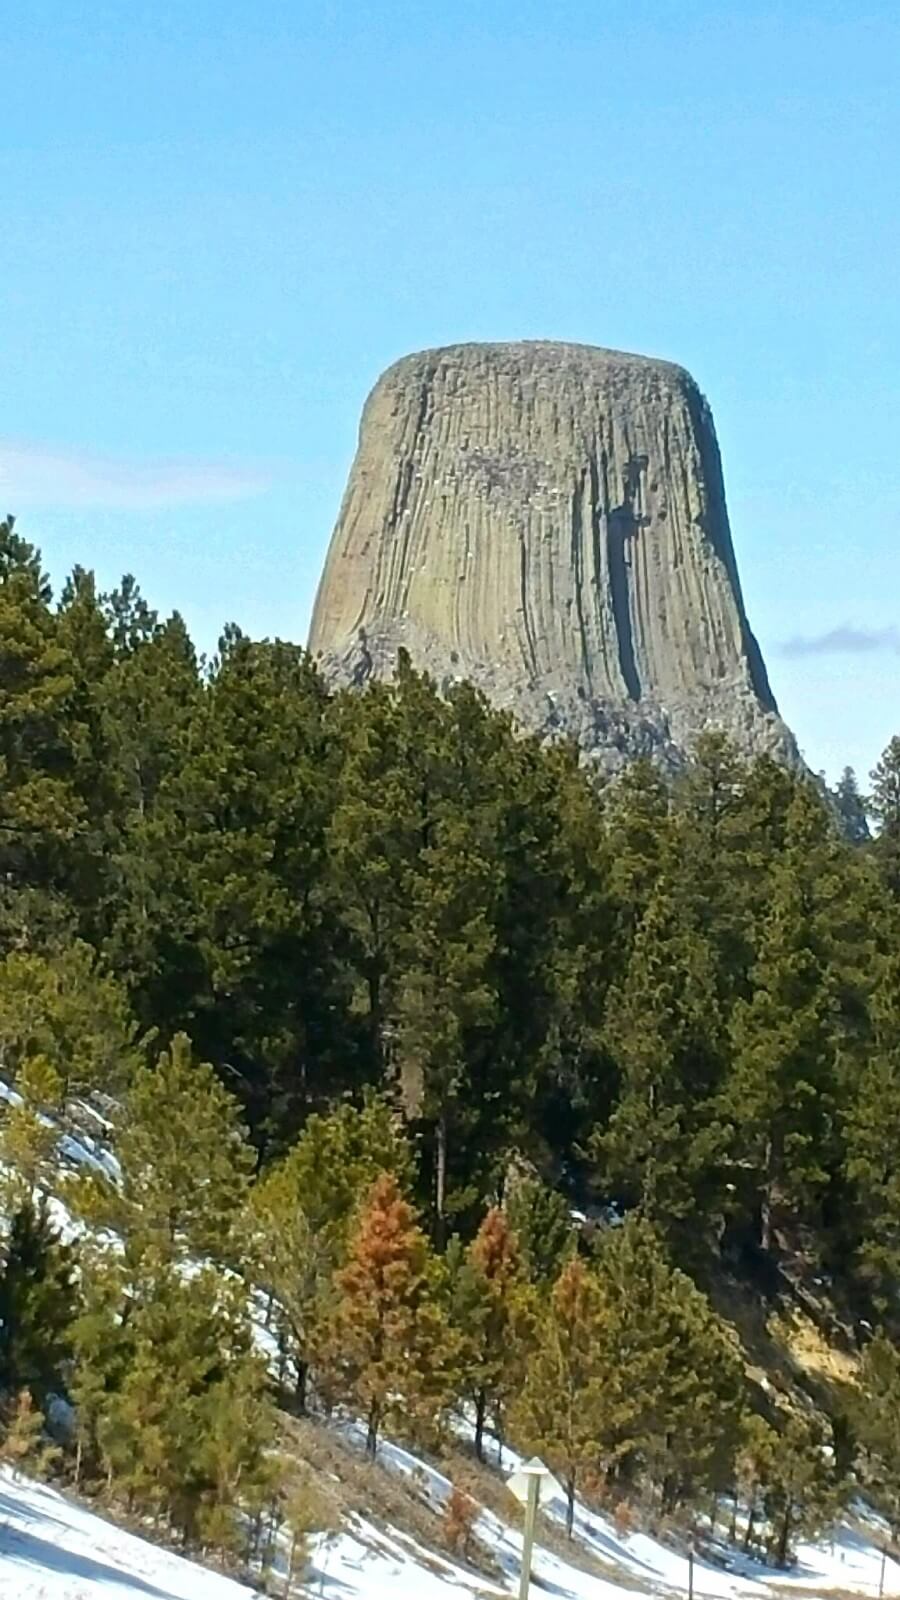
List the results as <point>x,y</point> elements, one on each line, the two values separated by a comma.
<point>549,521</point>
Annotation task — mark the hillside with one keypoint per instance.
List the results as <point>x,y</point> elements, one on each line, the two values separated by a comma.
<point>364,1057</point>
<point>386,1532</point>
<point>54,1549</point>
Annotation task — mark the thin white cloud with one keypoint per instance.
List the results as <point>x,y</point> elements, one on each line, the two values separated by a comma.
<point>33,475</point>
<point>845,641</point>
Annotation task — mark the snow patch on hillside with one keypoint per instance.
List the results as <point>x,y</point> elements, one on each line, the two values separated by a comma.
<point>53,1549</point>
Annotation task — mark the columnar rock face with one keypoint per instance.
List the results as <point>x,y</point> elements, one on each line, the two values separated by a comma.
<point>549,521</point>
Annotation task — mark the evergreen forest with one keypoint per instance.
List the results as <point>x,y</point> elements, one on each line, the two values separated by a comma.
<point>481,1086</point>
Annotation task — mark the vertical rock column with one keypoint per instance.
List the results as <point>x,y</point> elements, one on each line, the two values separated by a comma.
<point>549,521</point>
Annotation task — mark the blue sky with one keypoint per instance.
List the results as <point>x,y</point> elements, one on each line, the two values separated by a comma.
<point>222,220</point>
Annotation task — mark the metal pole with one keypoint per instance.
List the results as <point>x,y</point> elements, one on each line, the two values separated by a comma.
<point>531,1505</point>
<point>691,1573</point>
<point>883,1565</point>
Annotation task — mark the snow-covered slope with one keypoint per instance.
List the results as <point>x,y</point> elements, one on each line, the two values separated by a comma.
<point>53,1549</point>
<point>365,1564</point>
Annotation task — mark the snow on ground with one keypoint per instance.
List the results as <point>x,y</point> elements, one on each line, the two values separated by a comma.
<point>366,1563</point>
<point>78,1148</point>
<point>634,1565</point>
<point>53,1549</point>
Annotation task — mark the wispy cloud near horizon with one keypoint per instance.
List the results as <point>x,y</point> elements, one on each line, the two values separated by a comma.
<point>36,475</point>
<point>845,640</point>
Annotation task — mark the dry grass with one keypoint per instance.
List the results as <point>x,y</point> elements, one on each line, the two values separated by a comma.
<point>402,1506</point>
<point>797,1591</point>
<point>788,1357</point>
<point>367,1489</point>
<point>807,1346</point>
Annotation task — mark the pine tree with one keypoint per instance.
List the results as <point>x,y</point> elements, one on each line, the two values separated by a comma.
<point>150,707</point>
<point>22,1445</point>
<point>81,632</point>
<point>641,841</point>
<point>185,1430</point>
<point>753,1467</point>
<point>662,1145</point>
<point>878,1423</point>
<point>718,859</point>
<point>560,1410</point>
<point>760,820</point>
<point>238,1425</point>
<point>40,810</point>
<point>490,1310</point>
<point>373,836</point>
<point>336,1160</point>
<point>445,993</point>
<point>238,929</point>
<point>445,840</point>
<point>673,1379</point>
<point>37,1303</point>
<point>782,1093</point>
<point>851,807</point>
<point>574,1079</point>
<point>30,1132</point>
<point>537,1075</point>
<point>872,1131</point>
<point>185,1161</point>
<point>290,1262</point>
<point>101,1347</point>
<point>542,1224</point>
<point>802,1492</point>
<point>306,1511</point>
<point>460,1516</point>
<point>387,1348</point>
<point>63,1006</point>
<point>884,805</point>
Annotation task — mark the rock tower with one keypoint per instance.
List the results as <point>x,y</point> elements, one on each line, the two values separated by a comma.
<point>549,521</point>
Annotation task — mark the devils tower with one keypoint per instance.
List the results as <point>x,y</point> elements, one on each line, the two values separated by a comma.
<point>549,521</point>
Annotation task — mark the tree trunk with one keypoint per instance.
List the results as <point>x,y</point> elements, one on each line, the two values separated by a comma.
<point>765,1210</point>
<point>440,1197</point>
<point>570,1504</point>
<point>501,1440</point>
<point>480,1413</point>
<point>376,1019</point>
<point>301,1387</point>
<point>256,1527</point>
<point>748,1531</point>
<point>292,1555</point>
<point>282,1358</point>
<point>765,1222</point>
<point>372,1433</point>
<point>784,1536</point>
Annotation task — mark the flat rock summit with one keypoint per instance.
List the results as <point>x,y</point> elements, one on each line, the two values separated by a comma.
<point>549,521</point>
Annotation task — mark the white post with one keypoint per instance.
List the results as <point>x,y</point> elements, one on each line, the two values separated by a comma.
<point>531,1482</point>
<point>531,1505</point>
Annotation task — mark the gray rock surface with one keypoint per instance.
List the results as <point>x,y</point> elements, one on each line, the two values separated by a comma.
<point>549,521</point>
